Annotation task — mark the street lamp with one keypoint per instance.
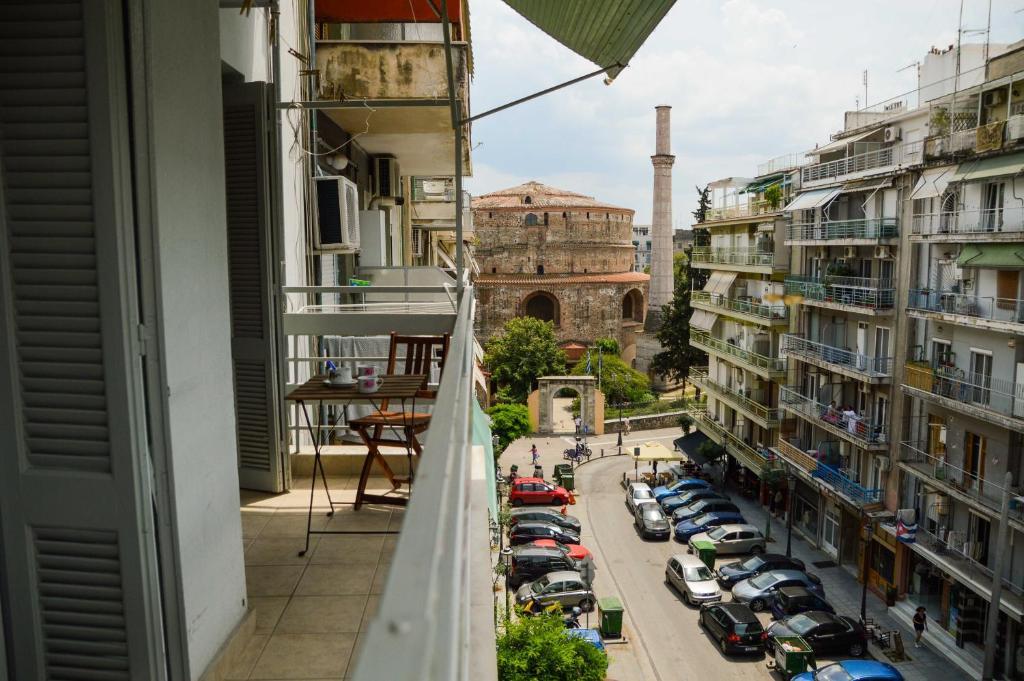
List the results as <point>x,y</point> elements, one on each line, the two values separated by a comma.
<point>868,532</point>
<point>789,515</point>
<point>506,560</point>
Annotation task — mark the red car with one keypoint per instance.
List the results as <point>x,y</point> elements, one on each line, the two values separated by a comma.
<point>574,551</point>
<point>536,491</point>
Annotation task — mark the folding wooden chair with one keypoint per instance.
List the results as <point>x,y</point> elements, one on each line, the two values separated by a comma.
<point>420,354</point>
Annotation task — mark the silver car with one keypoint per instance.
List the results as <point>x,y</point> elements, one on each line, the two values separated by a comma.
<point>693,579</point>
<point>732,539</point>
<point>564,588</point>
<point>637,492</point>
<point>757,591</point>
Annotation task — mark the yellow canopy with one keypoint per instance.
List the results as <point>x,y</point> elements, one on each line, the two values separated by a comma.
<point>655,451</point>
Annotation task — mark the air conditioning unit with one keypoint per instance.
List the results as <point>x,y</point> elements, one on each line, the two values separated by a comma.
<point>386,178</point>
<point>882,252</point>
<point>822,252</point>
<point>851,252</point>
<point>418,237</point>
<point>992,98</point>
<point>337,214</point>
<point>884,463</point>
<point>892,133</point>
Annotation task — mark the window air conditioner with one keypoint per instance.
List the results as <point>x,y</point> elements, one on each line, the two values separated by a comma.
<point>851,251</point>
<point>882,252</point>
<point>992,98</point>
<point>892,133</point>
<point>386,178</point>
<point>884,463</point>
<point>337,214</point>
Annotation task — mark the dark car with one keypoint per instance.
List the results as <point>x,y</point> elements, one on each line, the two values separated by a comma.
<point>826,632</point>
<point>670,504</point>
<point>703,523</point>
<point>730,573</point>
<point>545,515</point>
<point>650,521</point>
<point>680,486</point>
<point>733,626</point>
<point>792,600</point>
<point>533,562</point>
<point>526,532</point>
<point>758,591</point>
<point>702,506</point>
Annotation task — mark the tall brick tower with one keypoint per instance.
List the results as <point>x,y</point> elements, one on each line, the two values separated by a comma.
<point>661,220</point>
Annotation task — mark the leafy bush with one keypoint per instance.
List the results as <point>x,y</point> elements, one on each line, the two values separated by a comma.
<point>509,422</point>
<point>710,450</point>
<point>686,423</point>
<point>619,381</point>
<point>534,648</point>
<point>607,346</point>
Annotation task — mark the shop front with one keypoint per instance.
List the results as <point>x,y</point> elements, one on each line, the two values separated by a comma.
<point>805,511</point>
<point>886,563</point>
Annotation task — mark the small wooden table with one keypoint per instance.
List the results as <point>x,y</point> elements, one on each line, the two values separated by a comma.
<point>402,388</point>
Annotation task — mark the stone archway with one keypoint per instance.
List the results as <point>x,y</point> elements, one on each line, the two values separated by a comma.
<point>541,401</point>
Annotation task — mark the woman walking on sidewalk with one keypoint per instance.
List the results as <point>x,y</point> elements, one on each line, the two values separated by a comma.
<point>920,624</point>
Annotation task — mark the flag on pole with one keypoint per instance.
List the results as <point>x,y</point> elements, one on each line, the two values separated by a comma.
<point>906,533</point>
<point>588,363</point>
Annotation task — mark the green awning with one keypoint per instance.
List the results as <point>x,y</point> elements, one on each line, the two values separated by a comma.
<point>995,166</point>
<point>992,256</point>
<point>606,32</point>
<point>759,186</point>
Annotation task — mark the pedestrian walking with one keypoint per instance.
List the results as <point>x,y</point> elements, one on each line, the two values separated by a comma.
<point>534,455</point>
<point>778,505</point>
<point>579,422</point>
<point>626,426</point>
<point>920,624</point>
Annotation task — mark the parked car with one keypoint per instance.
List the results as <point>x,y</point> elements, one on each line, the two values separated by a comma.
<point>574,551</point>
<point>680,486</point>
<point>692,578</point>
<point>853,670</point>
<point>733,626</point>
<point>591,636</point>
<point>564,588</point>
<point>637,492</point>
<point>730,573</point>
<point>732,538</point>
<point>650,520</point>
<point>526,532</point>
<point>826,632</point>
<point>703,523</point>
<point>536,491</point>
<point>792,600</point>
<point>670,504</point>
<point>758,591</point>
<point>545,515</point>
<point>531,562</point>
<point>703,506</point>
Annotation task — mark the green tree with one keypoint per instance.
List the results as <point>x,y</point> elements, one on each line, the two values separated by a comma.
<point>674,362</point>
<point>703,204</point>
<point>619,381</point>
<point>532,648</point>
<point>509,422</point>
<point>607,346</point>
<point>525,350</point>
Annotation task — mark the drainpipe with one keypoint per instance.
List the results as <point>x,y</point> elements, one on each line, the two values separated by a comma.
<point>992,623</point>
<point>453,103</point>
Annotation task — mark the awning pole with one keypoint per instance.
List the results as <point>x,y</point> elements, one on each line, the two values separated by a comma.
<point>457,127</point>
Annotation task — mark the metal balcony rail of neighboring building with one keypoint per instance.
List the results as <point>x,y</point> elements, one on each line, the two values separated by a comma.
<point>900,154</point>
<point>980,307</point>
<point>953,549</point>
<point>967,140</point>
<point>796,456</point>
<point>872,294</point>
<point>742,210</point>
<point>963,482</point>
<point>747,307</point>
<point>779,164</point>
<point>870,367</point>
<point>969,222</point>
<point>709,342</point>
<point>998,395</point>
<point>734,256</point>
<point>849,488</point>
<point>861,430</point>
<point>754,459</point>
<point>838,230</point>
<point>750,400</point>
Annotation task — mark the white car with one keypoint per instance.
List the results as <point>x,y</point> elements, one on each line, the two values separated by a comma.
<point>732,539</point>
<point>693,579</point>
<point>637,492</point>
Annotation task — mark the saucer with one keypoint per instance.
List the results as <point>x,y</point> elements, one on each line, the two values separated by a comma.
<point>338,384</point>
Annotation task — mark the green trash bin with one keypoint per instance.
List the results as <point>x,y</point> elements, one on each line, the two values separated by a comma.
<point>568,481</point>
<point>793,655</point>
<point>705,550</point>
<point>609,610</point>
<point>560,470</point>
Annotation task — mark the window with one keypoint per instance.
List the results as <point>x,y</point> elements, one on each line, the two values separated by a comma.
<point>542,305</point>
<point>531,220</point>
<point>545,219</point>
<point>527,199</point>
<point>981,376</point>
<point>540,269</point>
<point>1007,288</point>
<point>992,215</point>
<point>974,460</point>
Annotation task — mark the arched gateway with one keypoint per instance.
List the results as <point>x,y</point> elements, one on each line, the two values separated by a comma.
<point>541,403</point>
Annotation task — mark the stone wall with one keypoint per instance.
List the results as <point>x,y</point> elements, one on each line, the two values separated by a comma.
<point>669,419</point>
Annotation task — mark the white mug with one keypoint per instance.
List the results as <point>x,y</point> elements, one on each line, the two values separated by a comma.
<point>370,384</point>
<point>366,371</point>
<point>343,375</point>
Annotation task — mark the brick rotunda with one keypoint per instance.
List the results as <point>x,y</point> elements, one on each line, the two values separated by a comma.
<point>558,255</point>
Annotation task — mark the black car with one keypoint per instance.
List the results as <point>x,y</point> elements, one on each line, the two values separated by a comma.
<point>533,562</point>
<point>793,600</point>
<point>545,515</point>
<point>650,521</point>
<point>826,632</point>
<point>703,506</point>
<point>525,532</point>
<point>730,573</point>
<point>733,626</point>
<point>670,504</point>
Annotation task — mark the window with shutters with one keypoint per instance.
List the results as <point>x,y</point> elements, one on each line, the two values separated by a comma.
<point>1007,289</point>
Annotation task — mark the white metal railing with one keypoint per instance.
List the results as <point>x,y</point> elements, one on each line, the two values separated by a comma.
<point>969,221</point>
<point>953,548</point>
<point>978,307</point>
<point>999,395</point>
<point>780,163</point>
<point>872,367</point>
<point>734,256</point>
<point>828,230</point>
<point>742,210</point>
<point>901,154</point>
<point>862,430</point>
<point>709,342</point>
<point>968,140</point>
<point>751,400</point>
<point>747,307</point>
<point>754,459</point>
<point>874,294</point>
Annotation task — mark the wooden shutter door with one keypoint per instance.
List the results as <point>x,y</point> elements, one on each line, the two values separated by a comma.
<point>78,560</point>
<point>258,406</point>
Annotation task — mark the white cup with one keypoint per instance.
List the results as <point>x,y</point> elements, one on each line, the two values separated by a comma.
<point>369,384</point>
<point>366,371</point>
<point>343,375</point>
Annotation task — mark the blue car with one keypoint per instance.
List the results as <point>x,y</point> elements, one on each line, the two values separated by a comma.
<point>703,523</point>
<point>701,506</point>
<point>853,670</point>
<point>591,636</point>
<point>678,487</point>
<point>670,504</point>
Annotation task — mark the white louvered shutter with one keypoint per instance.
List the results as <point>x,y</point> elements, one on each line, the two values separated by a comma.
<point>251,271</point>
<point>78,555</point>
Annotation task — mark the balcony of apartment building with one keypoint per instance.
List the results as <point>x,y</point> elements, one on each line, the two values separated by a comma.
<point>861,295</point>
<point>977,120</point>
<point>975,393</point>
<point>810,464</point>
<point>742,200</point>
<point>844,422</point>
<point>752,403</point>
<point>743,307</point>
<point>873,152</point>
<point>857,232</point>
<point>761,259</point>
<point>729,349</point>
<point>968,309</point>
<point>875,370</point>
<point>757,459</point>
<point>969,224</point>
<point>432,216</point>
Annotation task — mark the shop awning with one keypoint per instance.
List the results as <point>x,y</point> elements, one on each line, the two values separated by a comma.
<point>992,256</point>
<point>866,186</point>
<point>689,444</point>
<point>720,282</point>
<point>812,199</point>
<point>606,32</point>
<point>703,320</point>
<point>655,451</point>
<point>759,186</point>
<point>996,166</point>
<point>933,183</point>
<point>840,144</point>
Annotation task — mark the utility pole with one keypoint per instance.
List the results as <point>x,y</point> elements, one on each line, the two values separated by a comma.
<point>992,625</point>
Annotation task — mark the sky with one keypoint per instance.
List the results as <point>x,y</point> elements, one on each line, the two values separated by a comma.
<point>748,80</point>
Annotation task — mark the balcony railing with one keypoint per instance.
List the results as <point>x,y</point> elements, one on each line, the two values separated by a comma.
<point>796,456</point>
<point>969,221</point>
<point>871,294</point>
<point>779,164</point>
<point>837,230</point>
<point>999,395</point>
<point>846,424</point>
<point>967,141</point>
<point>964,483</point>
<point>902,154</point>
<point>750,400</point>
<point>980,307</point>
<point>952,549</point>
<point>742,210</point>
<point>712,344</point>
<point>753,459</point>
<point>853,491</point>
<point>871,367</point>
<point>748,307</point>
<point>734,256</point>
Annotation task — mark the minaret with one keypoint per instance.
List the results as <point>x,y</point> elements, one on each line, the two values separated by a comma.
<point>661,220</point>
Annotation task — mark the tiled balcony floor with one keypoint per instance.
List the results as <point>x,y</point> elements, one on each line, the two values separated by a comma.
<point>310,610</point>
